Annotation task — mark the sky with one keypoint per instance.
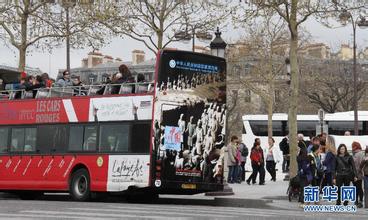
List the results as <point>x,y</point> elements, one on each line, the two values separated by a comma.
<point>123,47</point>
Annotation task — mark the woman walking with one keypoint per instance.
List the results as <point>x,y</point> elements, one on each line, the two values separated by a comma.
<point>358,156</point>
<point>345,171</point>
<point>329,163</point>
<point>364,167</point>
<point>257,160</point>
<point>271,159</point>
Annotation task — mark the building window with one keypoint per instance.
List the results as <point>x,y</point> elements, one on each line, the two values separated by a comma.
<point>247,96</point>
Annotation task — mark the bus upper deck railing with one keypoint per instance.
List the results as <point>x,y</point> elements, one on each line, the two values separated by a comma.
<point>85,90</point>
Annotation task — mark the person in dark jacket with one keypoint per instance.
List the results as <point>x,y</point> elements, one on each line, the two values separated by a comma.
<point>315,165</point>
<point>244,154</point>
<point>364,167</point>
<point>345,171</point>
<point>358,156</point>
<point>329,163</point>
<point>257,160</point>
<point>284,147</point>
<point>304,171</point>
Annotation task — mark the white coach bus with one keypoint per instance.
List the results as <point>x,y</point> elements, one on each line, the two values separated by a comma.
<point>255,126</point>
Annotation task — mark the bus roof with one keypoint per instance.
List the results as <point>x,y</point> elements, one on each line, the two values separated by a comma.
<point>339,116</point>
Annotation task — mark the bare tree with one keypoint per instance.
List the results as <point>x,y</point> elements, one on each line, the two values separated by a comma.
<point>155,23</point>
<point>26,24</point>
<point>294,13</point>
<point>329,85</point>
<point>267,67</point>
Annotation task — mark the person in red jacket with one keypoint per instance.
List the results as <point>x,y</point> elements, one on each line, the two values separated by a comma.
<point>257,160</point>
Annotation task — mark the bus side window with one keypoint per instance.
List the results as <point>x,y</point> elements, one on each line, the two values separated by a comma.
<point>51,138</point>
<point>114,138</point>
<point>23,139</point>
<point>4,132</point>
<point>75,138</point>
<point>243,129</point>
<point>30,139</point>
<point>90,138</point>
<point>17,139</point>
<point>140,138</point>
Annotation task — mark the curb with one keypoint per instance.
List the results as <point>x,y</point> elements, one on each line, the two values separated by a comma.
<point>238,202</point>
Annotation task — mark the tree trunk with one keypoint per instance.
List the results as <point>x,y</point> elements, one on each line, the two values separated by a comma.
<point>22,59</point>
<point>23,45</point>
<point>293,106</point>
<point>269,104</point>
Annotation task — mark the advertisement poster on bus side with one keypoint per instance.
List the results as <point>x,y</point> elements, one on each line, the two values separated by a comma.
<point>121,108</point>
<point>127,170</point>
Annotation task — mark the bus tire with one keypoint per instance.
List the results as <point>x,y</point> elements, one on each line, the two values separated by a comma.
<point>79,187</point>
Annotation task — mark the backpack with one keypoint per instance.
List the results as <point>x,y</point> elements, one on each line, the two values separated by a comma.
<point>244,151</point>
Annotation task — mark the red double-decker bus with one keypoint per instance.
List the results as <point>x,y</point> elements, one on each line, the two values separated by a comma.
<point>158,138</point>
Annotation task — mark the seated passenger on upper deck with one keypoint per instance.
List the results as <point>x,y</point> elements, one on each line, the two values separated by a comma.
<point>65,80</point>
<point>124,76</point>
<point>2,85</point>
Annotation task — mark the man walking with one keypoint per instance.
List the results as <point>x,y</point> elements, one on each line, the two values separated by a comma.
<point>284,147</point>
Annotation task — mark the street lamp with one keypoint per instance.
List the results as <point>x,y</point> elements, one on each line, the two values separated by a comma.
<point>192,35</point>
<point>345,17</point>
<point>218,45</point>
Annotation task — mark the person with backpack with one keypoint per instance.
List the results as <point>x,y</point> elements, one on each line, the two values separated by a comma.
<point>271,159</point>
<point>244,154</point>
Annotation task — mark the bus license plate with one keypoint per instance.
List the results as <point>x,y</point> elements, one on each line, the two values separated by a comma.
<point>188,186</point>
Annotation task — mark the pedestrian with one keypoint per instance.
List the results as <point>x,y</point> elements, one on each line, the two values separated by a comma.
<point>345,171</point>
<point>316,165</point>
<point>244,154</point>
<point>65,80</point>
<point>257,160</point>
<point>304,171</point>
<point>271,159</point>
<point>238,160</point>
<point>329,162</point>
<point>358,156</point>
<point>232,160</point>
<point>315,140</point>
<point>284,147</point>
<point>364,168</point>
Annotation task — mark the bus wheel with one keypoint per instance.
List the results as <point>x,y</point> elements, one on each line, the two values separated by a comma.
<point>80,185</point>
